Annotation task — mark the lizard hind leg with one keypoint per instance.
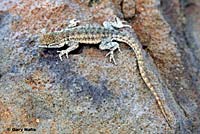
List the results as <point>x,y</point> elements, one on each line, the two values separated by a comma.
<point>116,24</point>
<point>72,46</point>
<point>112,46</point>
<point>119,23</point>
<point>108,25</point>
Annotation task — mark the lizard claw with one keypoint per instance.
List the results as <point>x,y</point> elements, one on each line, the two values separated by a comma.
<point>61,53</point>
<point>119,50</point>
<point>112,58</point>
<point>60,56</point>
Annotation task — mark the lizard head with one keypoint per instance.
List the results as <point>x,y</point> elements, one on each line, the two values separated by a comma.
<point>48,40</point>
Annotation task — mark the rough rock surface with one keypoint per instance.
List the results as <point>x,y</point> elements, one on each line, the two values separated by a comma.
<point>86,93</point>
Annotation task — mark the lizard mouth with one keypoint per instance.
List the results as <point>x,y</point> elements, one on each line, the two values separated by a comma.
<point>53,45</point>
<point>43,46</point>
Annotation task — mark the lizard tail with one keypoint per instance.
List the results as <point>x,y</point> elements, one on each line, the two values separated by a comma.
<point>143,72</point>
<point>153,91</point>
<point>137,48</point>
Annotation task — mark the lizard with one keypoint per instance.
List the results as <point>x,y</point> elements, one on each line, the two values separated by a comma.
<point>108,37</point>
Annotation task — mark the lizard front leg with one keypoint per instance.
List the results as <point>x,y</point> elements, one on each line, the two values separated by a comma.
<point>110,45</point>
<point>73,23</point>
<point>72,46</point>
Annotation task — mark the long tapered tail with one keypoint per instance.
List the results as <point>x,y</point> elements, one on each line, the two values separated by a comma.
<point>137,48</point>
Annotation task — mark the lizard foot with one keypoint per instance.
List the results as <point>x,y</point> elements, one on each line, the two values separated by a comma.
<point>73,23</point>
<point>63,52</point>
<point>112,58</point>
<point>112,46</point>
<point>119,23</point>
<point>72,46</point>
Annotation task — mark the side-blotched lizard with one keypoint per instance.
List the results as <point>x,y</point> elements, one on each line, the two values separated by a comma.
<point>108,36</point>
